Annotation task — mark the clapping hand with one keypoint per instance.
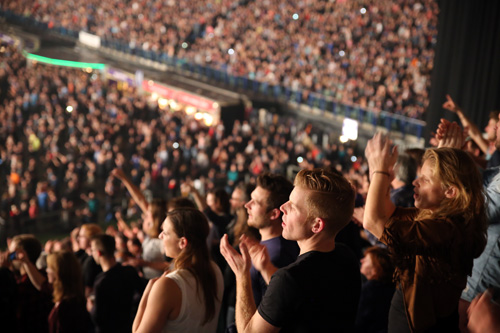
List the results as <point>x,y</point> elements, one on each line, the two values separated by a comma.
<point>239,263</point>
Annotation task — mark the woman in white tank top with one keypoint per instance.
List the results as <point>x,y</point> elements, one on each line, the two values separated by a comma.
<point>188,298</point>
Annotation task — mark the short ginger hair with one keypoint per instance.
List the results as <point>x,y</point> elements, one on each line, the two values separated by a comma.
<point>331,197</point>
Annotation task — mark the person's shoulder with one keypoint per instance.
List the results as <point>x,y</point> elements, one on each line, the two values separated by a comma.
<point>167,285</point>
<point>402,213</point>
<point>125,271</point>
<point>343,251</point>
<point>286,273</point>
<point>166,280</point>
<point>341,256</point>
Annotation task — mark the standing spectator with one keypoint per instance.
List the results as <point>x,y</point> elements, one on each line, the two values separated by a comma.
<point>405,172</point>
<point>194,287</point>
<point>65,276</point>
<point>239,225</point>
<point>435,243</point>
<point>89,267</point>
<point>264,214</point>
<point>33,306</point>
<point>486,268</point>
<point>487,145</point>
<point>319,292</point>
<point>111,305</point>
<point>153,261</point>
<point>216,208</point>
<point>376,292</point>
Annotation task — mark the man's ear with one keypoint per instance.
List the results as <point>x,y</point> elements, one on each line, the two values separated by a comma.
<point>318,225</point>
<point>183,242</point>
<point>451,192</point>
<point>274,214</point>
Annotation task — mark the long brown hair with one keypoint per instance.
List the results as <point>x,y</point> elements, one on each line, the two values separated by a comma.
<point>454,167</point>
<point>193,225</point>
<point>68,281</point>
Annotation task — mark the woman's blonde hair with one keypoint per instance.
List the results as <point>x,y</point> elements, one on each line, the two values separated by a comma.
<point>454,167</point>
<point>68,281</point>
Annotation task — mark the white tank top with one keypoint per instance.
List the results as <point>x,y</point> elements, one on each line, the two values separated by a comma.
<point>192,310</point>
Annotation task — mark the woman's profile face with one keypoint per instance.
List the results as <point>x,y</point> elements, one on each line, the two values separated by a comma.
<point>429,191</point>
<point>171,242</point>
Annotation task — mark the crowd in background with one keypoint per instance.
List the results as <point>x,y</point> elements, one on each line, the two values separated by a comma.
<point>64,133</point>
<point>57,164</point>
<point>378,55</point>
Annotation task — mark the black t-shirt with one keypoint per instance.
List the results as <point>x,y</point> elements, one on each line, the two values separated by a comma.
<point>115,293</point>
<point>219,221</point>
<point>282,252</point>
<point>374,303</point>
<point>90,271</point>
<point>317,293</point>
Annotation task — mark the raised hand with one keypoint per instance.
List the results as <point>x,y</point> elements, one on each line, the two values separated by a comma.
<point>258,253</point>
<point>380,153</point>
<point>239,263</point>
<point>450,104</point>
<point>118,173</point>
<point>484,314</point>
<point>452,137</point>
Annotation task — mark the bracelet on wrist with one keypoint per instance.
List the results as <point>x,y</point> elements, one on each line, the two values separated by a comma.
<point>382,172</point>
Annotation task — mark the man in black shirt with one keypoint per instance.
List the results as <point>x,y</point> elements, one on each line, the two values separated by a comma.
<point>318,292</point>
<point>117,289</point>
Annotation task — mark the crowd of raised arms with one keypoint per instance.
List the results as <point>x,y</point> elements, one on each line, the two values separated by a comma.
<point>375,54</point>
<point>215,236</point>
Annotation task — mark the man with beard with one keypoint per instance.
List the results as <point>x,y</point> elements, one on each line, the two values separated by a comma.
<point>264,214</point>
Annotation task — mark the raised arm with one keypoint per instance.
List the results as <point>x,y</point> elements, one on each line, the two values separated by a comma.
<point>473,130</point>
<point>200,201</point>
<point>134,191</point>
<point>36,278</point>
<point>381,159</point>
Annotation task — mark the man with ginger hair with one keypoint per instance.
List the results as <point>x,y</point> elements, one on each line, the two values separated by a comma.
<point>320,290</point>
